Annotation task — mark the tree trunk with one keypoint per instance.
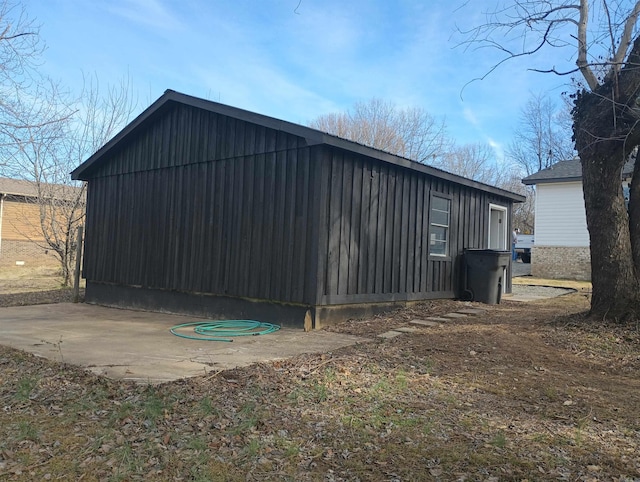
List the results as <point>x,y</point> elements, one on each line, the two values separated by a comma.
<point>634,215</point>
<point>615,285</point>
<point>605,134</point>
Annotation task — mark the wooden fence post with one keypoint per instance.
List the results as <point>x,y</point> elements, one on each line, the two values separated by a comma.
<point>76,275</point>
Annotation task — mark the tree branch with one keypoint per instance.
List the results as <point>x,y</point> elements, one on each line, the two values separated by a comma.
<point>625,40</point>
<point>582,63</point>
<point>553,70</point>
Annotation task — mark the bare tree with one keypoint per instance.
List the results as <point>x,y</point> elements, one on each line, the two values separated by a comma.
<point>474,161</point>
<point>31,112</point>
<point>543,135</point>
<point>604,43</point>
<point>523,213</point>
<point>50,152</point>
<point>477,161</point>
<point>45,134</point>
<point>542,138</point>
<point>412,132</point>
<point>24,93</point>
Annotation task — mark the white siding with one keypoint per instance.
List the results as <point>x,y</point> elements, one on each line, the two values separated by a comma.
<point>560,215</point>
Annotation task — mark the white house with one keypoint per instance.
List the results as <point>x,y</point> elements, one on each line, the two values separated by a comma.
<point>561,238</point>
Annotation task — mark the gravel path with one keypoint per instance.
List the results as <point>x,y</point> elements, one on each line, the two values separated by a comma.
<point>521,269</point>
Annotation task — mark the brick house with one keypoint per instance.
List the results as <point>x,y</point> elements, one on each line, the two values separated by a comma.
<point>21,238</point>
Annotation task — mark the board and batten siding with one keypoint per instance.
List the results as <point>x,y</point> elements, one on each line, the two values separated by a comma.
<point>195,201</point>
<point>374,231</point>
<point>179,134</point>
<point>198,202</point>
<point>560,215</point>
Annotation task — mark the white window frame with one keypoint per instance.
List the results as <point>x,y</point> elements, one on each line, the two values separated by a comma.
<point>447,227</point>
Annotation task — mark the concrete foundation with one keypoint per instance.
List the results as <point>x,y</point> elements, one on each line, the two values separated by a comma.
<point>217,307</point>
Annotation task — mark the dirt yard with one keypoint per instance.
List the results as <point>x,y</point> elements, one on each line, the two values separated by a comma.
<point>21,285</point>
<point>21,279</point>
<point>523,392</point>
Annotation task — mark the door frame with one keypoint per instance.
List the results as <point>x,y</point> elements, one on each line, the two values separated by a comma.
<point>504,242</point>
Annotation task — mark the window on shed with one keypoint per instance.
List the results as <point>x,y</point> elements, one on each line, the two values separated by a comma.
<point>439,226</point>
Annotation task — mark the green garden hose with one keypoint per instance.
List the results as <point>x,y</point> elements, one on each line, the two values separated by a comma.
<point>223,330</point>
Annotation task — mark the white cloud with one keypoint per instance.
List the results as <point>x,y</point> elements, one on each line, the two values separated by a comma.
<point>498,150</point>
<point>148,12</point>
<point>470,116</point>
<point>264,90</point>
<point>263,56</point>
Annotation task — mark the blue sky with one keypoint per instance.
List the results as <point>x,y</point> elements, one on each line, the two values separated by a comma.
<point>294,61</point>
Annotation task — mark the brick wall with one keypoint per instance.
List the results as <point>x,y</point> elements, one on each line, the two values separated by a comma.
<point>22,238</point>
<point>560,262</point>
<point>21,220</point>
<point>28,252</point>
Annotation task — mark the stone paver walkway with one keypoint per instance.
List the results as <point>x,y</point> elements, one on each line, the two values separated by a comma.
<point>433,322</point>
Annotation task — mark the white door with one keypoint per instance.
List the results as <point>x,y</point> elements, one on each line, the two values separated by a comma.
<point>498,236</point>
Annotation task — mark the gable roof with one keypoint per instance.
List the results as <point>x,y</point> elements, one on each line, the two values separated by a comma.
<point>312,136</point>
<point>567,171</point>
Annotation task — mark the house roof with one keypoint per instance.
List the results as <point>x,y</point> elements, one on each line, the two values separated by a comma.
<point>17,187</point>
<point>21,187</point>
<point>567,171</point>
<point>313,137</point>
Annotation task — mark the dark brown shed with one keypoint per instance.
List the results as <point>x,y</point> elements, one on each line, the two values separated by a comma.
<point>203,208</point>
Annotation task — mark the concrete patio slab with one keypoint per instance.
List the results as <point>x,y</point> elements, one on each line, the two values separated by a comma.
<point>137,345</point>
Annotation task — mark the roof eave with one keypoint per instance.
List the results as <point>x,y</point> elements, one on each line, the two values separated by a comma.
<point>312,137</point>
<point>532,182</point>
<point>21,194</point>
<point>417,166</point>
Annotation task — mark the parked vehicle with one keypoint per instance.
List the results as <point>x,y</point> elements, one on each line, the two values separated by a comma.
<point>524,243</point>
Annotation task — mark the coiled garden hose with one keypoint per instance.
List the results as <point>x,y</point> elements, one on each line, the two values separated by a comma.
<point>224,330</point>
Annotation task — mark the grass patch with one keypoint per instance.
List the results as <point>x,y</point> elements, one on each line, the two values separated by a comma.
<point>154,406</point>
<point>25,387</point>
<point>499,440</point>
<point>25,430</point>
<point>206,407</point>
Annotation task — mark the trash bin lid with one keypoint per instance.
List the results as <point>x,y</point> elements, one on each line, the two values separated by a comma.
<point>487,252</point>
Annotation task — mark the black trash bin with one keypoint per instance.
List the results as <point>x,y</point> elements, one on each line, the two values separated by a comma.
<point>484,274</point>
